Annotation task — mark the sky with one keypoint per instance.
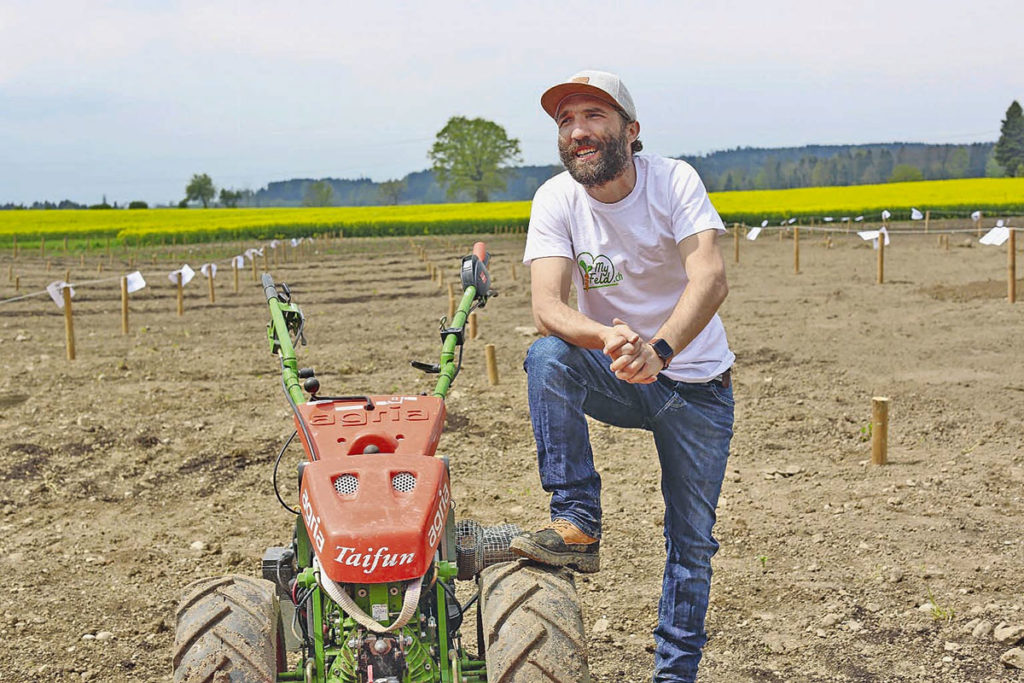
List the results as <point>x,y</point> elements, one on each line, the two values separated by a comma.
<point>128,99</point>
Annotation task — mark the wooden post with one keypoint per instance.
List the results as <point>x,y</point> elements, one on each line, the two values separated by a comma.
<point>735,242</point>
<point>17,283</point>
<point>451,301</point>
<point>181,296</point>
<point>946,242</point>
<point>472,326</point>
<point>252,262</point>
<point>65,244</point>
<point>124,304</point>
<point>1011,266</point>
<point>10,272</point>
<point>927,217</point>
<point>67,275</point>
<point>209,282</point>
<point>513,269</point>
<point>879,430</point>
<point>977,227</point>
<point>69,324</point>
<point>275,257</point>
<point>796,250</point>
<point>266,259</point>
<point>234,267</point>
<point>492,365</point>
<point>881,257</point>
<point>99,267</point>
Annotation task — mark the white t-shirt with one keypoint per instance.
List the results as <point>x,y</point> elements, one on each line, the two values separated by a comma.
<point>627,260</point>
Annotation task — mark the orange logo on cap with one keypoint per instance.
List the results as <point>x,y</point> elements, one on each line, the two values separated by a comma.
<point>581,79</point>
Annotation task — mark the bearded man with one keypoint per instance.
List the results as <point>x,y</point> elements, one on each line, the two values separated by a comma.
<point>636,235</point>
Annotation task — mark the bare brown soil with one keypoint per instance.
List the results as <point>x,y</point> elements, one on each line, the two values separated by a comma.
<point>114,465</point>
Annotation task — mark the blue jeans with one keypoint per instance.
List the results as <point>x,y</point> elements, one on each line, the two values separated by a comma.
<point>692,426</point>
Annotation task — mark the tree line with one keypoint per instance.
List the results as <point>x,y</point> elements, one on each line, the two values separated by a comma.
<point>471,161</point>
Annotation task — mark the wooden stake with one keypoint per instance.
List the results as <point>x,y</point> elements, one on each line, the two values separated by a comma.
<point>81,259</point>
<point>977,226</point>
<point>69,324</point>
<point>67,275</point>
<point>181,296</point>
<point>275,257</point>
<point>17,283</point>
<point>234,267</point>
<point>492,365</point>
<point>796,250</point>
<point>99,267</point>
<point>1011,266</point>
<point>10,272</point>
<point>252,262</point>
<point>513,269</point>
<point>209,282</point>
<point>881,257</point>
<point>124,304</point>
<point>472,326</point>
<point>266,259</point>
<point>65,244</point>
<point>879,430</point>
<point>451,301</point>
<point>735,242</point>
<point>946,242</point>
<point>927,217</point>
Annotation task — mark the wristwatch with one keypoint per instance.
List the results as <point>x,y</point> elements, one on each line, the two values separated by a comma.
<point>663,350</point>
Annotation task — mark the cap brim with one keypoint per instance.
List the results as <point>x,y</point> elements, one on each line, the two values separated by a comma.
<point>550,100</point>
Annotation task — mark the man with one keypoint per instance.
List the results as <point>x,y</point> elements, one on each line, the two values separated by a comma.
<point>637,236</point>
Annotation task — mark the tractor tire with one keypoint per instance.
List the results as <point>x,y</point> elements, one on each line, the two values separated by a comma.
<point>532,625</point>
<point>229,629</point>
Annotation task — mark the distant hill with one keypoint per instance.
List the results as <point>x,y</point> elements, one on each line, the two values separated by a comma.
<point>745,168</point>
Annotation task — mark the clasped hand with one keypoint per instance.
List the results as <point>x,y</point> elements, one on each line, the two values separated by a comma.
<point>633,359</point>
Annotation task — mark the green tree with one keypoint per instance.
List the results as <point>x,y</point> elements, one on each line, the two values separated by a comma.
<point>319,193</point>
<point>1009,150</point>
<point>390,191</point>
<point>469,155</point>
<point>905,173</point>
<point>200,188</point>
<point>229,198</point>
<point>957,163</point>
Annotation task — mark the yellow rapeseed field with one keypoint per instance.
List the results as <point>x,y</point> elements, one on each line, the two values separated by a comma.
<point>993,196</point>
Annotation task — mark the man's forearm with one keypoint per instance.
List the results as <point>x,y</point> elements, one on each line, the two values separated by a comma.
<point>694,310</point>
<point>557,319</point>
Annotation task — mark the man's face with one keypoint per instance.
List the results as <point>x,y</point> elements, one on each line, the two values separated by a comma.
<point>593,140</point>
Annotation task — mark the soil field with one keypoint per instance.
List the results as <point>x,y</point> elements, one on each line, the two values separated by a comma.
<point>145,463</point>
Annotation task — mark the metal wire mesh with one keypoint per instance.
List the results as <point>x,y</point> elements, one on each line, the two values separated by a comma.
<point>477,547</point>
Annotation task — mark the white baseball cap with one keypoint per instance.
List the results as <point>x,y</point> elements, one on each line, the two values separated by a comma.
<point>600,84</point>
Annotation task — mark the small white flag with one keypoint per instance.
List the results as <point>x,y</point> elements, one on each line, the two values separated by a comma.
<point>753,233</point>
<point>1000,223</point>
<point>886,215</point>
<point>859,218</point>
<point>296,241</point>
<point>976,216</point>
<point>186,275</point>
<point>274,243</point>
<point>915,215</point>
<point>238,261</point>
<point>55,290</point>
<point>764,223</point>
<point>208,269</point>
<point>828,219</point>
<point>873,235</point>
<point>845,219</point>
<point>135,281</point>
<point>996,236</point>
<point>792,221</point>
<point>251,254</point>
<point>310,239</point>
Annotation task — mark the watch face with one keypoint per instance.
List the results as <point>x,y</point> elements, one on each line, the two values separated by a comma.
<point>662,348</point>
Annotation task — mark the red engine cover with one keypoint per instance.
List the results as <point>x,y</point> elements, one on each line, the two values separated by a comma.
<point>396,424</point>
<point>375,518</point>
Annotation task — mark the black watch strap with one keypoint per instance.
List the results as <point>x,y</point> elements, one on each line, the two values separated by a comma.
<point>664,351</point>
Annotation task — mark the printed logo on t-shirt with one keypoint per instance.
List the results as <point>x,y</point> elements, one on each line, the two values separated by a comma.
<point>597,271</point>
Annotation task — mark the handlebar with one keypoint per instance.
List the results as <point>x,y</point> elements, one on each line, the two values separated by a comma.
<point>269,288</point>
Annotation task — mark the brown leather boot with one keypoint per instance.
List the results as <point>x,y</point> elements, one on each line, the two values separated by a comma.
<point>559,544</point>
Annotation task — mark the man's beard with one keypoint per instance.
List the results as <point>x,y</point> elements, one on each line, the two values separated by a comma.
<point>612,159</point>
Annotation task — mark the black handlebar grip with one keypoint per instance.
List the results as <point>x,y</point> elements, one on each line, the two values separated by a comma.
<point>269,288</point>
